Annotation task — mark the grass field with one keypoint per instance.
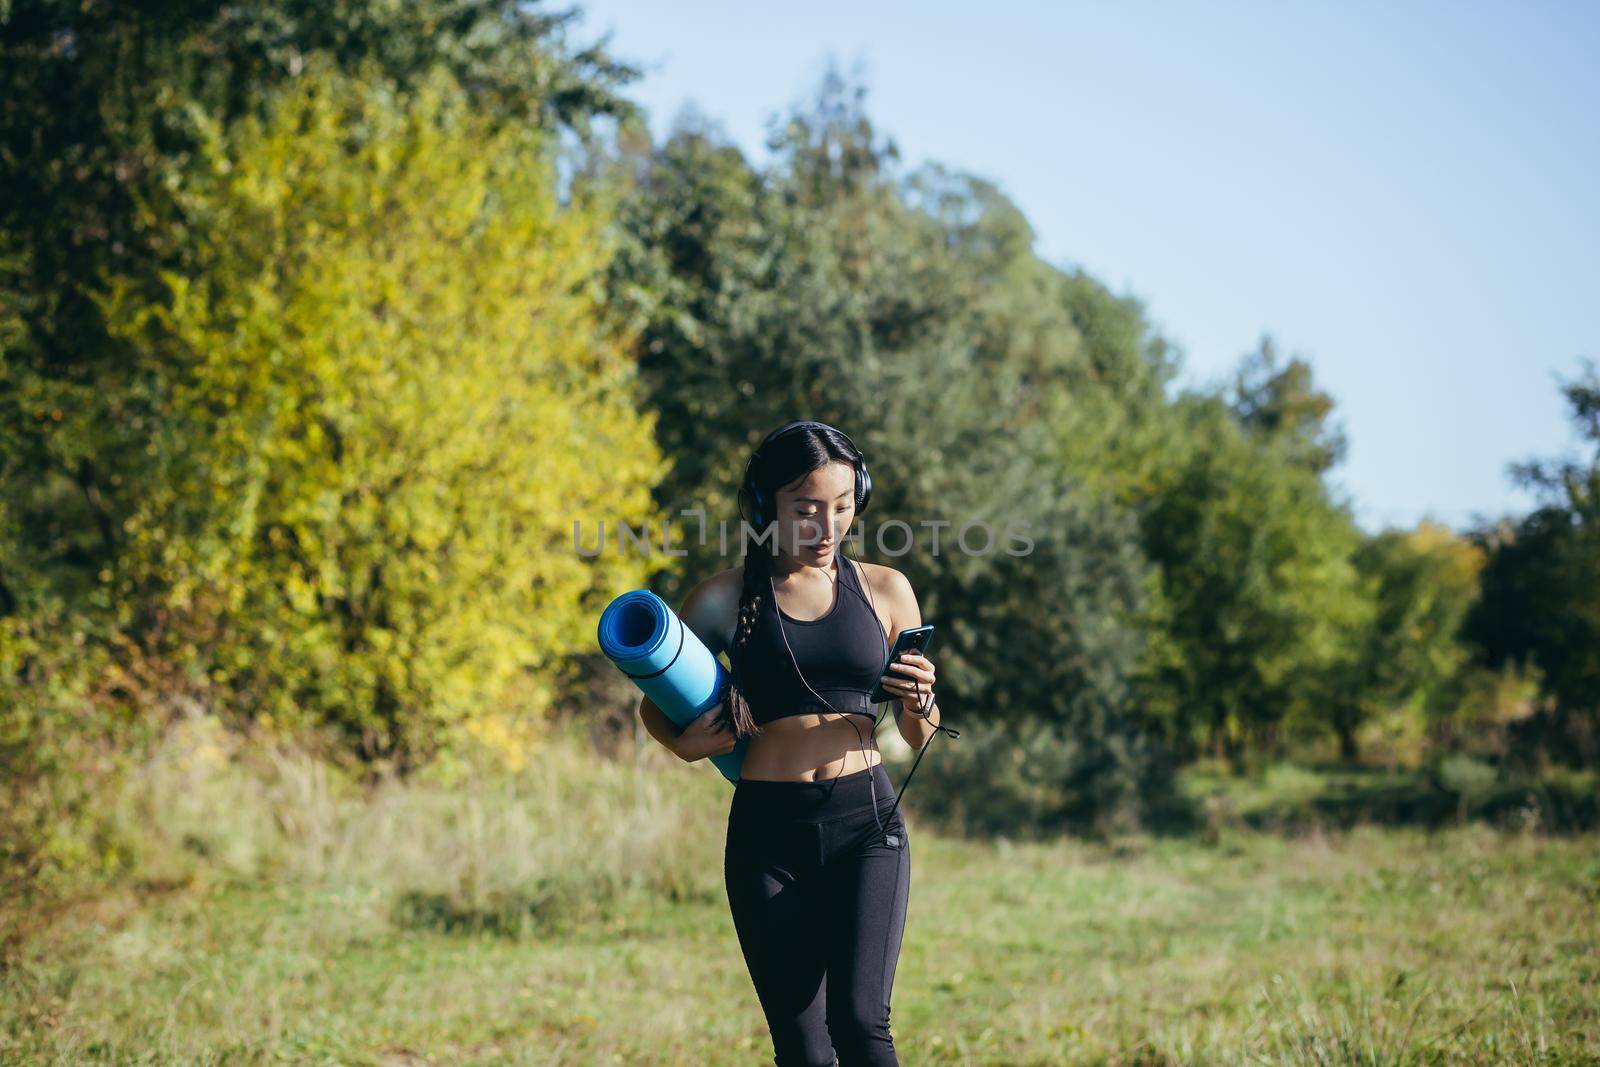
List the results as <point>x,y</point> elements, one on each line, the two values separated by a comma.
<point>1369,945</point>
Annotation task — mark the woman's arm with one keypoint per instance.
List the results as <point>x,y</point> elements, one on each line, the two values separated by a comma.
<point>702,612</point>
<point>914,728</point>
<point>659,726</point>
<point>914,675</point>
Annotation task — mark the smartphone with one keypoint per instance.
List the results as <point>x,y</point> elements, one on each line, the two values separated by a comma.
<point>917,637</point>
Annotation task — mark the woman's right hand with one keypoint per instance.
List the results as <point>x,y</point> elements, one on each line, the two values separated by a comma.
<point>707,735</point>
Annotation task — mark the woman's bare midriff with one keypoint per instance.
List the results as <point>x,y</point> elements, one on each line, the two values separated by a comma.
<point>810,747</point>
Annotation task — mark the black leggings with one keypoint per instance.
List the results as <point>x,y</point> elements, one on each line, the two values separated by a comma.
<point>819,902</point>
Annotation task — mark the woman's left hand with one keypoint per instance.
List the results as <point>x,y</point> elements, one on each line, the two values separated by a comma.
<point>914,685</point>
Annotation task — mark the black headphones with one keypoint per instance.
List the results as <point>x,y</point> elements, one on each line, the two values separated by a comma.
<point>761,505</point>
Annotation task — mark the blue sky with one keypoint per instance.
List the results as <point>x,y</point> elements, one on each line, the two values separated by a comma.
<point>1403,194</point>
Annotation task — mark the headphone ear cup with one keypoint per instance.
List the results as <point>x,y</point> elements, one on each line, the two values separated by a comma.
<point>863,489</point>
<point>751,495</point>
<point>758,517</point>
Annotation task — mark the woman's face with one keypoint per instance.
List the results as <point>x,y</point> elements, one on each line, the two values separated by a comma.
<point>814,513</point>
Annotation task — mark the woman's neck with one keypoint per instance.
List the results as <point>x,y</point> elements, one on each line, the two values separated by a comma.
<point>784,566</point>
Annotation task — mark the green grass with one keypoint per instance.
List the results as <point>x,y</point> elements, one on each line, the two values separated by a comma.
<point>1371,945</point>
<point>1285,796</point>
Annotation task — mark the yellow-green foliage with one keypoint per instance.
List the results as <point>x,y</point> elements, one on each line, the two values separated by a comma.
<point>1426,690</point>
<point>391,390</point>
<point>1453,565</point>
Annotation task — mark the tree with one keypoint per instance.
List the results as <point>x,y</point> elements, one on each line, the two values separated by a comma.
<point>1280,403</point>
<point>1541,587</point>
<point>101,107</point>
<point>389,391</point>
<point>1261,597</point>
<point>1424,582</point>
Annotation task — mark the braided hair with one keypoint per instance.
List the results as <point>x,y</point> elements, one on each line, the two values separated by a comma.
<point>788,459</point>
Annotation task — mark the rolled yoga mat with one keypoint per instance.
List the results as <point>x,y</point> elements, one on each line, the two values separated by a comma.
<point>647,641</point>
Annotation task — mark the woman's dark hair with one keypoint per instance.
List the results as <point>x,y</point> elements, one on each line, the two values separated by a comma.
<point>790,457</point>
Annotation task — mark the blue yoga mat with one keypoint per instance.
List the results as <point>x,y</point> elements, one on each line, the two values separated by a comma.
<point>649,643</point>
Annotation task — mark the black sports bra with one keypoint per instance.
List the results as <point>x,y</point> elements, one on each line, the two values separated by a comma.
<point>840,653</point>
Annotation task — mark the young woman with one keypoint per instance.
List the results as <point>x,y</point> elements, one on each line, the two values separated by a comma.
<point>817,862</point>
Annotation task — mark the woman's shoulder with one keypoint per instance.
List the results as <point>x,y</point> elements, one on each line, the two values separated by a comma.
<point>712,607</point>
<point>725,584</point>
<point>885,580</point>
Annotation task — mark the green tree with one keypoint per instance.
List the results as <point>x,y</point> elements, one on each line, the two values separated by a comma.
<point>1260,593</point>
<point>390,389</point>
<point>1281,403</point>
<point>1407,661</point>
<point>101,108</point>
<point>1540,606</point>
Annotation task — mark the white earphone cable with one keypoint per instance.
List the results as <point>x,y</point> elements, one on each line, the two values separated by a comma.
<point>923,710</point>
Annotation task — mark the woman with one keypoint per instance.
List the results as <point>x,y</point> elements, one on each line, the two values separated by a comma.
<point>817,863</point>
